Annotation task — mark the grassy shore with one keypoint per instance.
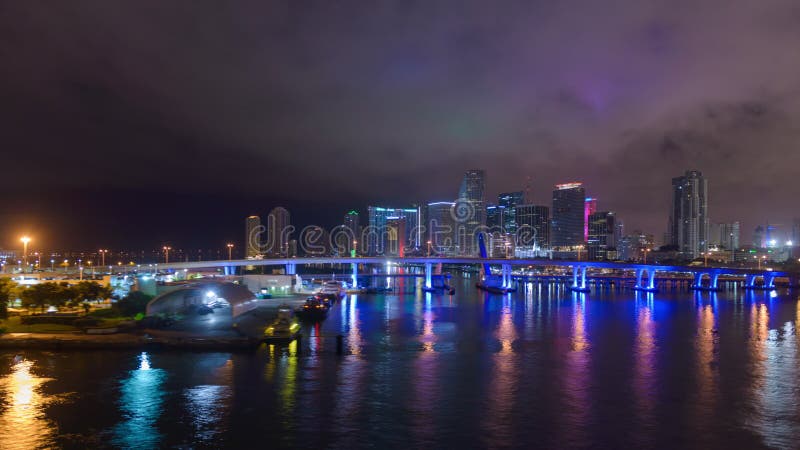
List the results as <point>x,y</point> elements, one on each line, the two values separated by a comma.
<point>14,325</point>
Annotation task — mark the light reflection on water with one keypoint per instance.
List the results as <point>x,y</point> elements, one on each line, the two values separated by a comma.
<point>542,367</point>
<point>141,398</point>
<point>23,409</point>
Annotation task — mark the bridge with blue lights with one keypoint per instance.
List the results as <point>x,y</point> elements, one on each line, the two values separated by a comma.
<point>645,274</point>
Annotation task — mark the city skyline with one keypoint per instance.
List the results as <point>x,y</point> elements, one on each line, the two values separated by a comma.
<point>320,116</point>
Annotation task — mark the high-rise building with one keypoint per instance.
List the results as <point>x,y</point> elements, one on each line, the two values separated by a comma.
<point>589,208</point>
<point>510,200</point>
<point>252,237</point>
<point>352,223</point>
<point>688,219</point>
<point>602,235</point>
<point>440,229</point>
<point>377,233</point>
<point>533,229</point>
<point>725,235</point>
<point>279,230</point>
<point>470,211</point>
<point>396,236</point>
<point>569,207</point>
<point>495,217</point>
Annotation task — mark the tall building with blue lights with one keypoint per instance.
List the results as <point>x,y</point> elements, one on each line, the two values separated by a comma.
<point>509,201</point>
<point>377,234</point>
<point>439,229</point>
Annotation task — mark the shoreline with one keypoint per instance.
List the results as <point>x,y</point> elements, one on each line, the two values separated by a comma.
<point>122,341</point>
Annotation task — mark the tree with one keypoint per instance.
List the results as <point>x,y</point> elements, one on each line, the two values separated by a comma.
<point>133,303</point>
<point>44,294</point>
<point>88,291</point>
<point>7,289</point>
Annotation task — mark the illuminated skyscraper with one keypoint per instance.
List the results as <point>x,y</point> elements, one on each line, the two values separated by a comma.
<point>279,231</point>
<point>510,200</point>
<point>377,234</point>
<point>602,235</point>
<point>470,211</point>
<point>252,237</point>
<point>352,223</point>
<point>569,207</point>
<point>589,208</point>
<point>440,229</point>
<point>533,229</point>
<point>688,219</point>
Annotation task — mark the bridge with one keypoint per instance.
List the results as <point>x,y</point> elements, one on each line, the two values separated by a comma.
<point>645,274</point>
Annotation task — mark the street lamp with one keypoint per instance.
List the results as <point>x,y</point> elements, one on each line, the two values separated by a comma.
<point>230,252</point>
<point>580,247</point>
<point>66,265</point>
<point>645,251</point>
<point>355,248</point>
<point>166,253</point>
<point>429,249</point>
<point>25,240</point>
<point>52,261</point>
<point>103,256</point>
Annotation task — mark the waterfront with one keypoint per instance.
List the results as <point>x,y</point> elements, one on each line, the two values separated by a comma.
<point>540,367</point>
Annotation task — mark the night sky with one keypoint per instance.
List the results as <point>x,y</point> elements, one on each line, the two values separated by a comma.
<point>136,123</point>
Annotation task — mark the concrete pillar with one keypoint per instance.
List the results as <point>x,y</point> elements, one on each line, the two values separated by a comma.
<point>574,276</point>
<point>714,280</point>
<point>652,279</point>
<point>769,281</point>
<point>698,279</point>
<point>291,269</point>
<point>428,271</point>
<point>639,278</point>
<point>583,277</point>
<point>354,276</point>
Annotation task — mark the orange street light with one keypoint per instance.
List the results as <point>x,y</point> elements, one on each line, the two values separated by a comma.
<point>230,250</point>
<point>25,240</point>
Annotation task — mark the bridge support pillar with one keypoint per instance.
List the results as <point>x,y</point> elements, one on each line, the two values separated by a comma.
<point>698,279</point>
<point>583,277</point>
<point>769,281</point>
<point>354,275</point>
<point>428,272</point>
<point>639,273</point>
<point>291,269</point>
<point>714,280</point>
<point>749,281</point>
<point>651,284</point>
<point>506,273</point>
<point>574,277</point>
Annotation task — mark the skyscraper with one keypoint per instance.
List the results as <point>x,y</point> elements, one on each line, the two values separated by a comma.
<point>688,219</point>
<point>278,232</point>
<point>353,223</point>
<point>569,207</point>
<point>495,216</point>
<point>533,229</point>
<point>726,235</point>
<point>470,211</point>
<point>602,234</point>
<point>378,233</point>
<point>440,229</point>
<point>510,200</point>
<point>252,237</point>
<point>589,208</point>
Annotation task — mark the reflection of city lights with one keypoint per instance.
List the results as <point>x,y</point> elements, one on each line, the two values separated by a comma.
<point>144,361</point>
<point>23,409</point>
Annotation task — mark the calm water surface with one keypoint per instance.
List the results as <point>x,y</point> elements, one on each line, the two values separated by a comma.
<point>539,368</point>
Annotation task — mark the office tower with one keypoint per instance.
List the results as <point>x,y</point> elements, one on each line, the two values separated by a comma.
<point>569,203</point>
<point>510,200</point>
<point>252,237</point>
<point>589,208</point>
<point>279,231</point>
<point>602,235</point>
<point>725,235</point>
<point>533,228</point>
<point>377,233</point>
<point>758,237</point>
<point>352,223</point>
<point>495,215</point>
<point>396,236</point>
<point>470,211</point>
<point>439,226</point>
<point>688,220</point>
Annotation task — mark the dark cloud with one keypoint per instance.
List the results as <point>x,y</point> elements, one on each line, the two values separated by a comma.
<point>345,103</point>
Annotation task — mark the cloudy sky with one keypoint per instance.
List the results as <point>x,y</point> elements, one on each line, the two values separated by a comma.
<point>151,121</point>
